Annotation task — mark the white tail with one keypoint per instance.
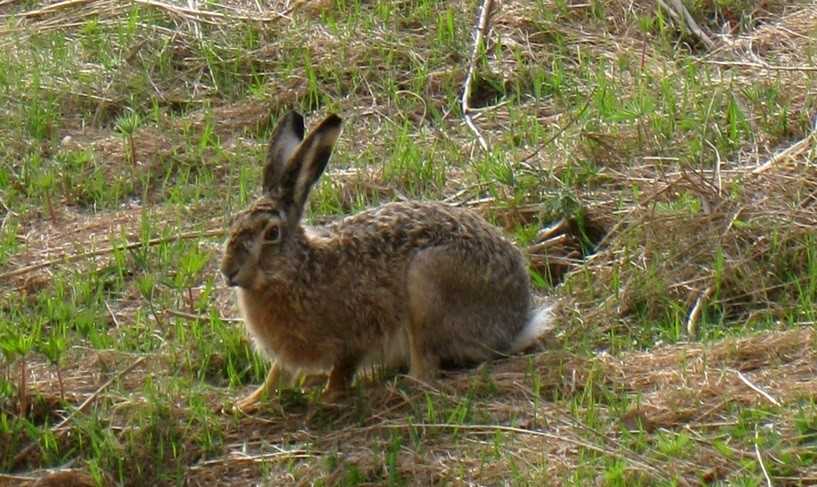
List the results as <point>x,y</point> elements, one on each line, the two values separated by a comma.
<point>539,323</point>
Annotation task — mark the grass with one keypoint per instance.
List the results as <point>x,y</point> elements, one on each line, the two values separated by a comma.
<point>623,157</point>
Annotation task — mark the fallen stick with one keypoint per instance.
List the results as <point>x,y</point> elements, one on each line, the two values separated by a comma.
<point>680,14</point>
<point>792,150</point>
<point>755,388</point>
<point>481,33</point>
<point>546,244</point>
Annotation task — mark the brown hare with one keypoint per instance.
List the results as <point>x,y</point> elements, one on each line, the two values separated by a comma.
<point>416,284</point>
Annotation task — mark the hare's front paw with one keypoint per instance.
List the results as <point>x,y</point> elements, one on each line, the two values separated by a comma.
<point>250,403</point>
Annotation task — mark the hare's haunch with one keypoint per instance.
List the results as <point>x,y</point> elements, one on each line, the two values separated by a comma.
<point>416,284</point>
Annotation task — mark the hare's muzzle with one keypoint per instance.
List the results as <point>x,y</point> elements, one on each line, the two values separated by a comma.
<point>230,276</point>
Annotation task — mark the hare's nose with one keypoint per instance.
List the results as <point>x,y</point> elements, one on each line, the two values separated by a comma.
<point>230,276</point>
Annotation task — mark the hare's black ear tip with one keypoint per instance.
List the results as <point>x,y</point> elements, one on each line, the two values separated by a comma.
<point>332,120</point>
<point>295,117</point>
<point>295,121</point>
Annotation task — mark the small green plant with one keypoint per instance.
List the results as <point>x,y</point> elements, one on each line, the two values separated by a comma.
<point>40,112</point>
<point>675,445</point>
<point>15,346</point>
<point>394,478</point>
<point>126,126</point>
<point>805,422</point>
<point>53,348</point>
<point>188,271</point>
<point>411,168</point>
<point>9,239</point>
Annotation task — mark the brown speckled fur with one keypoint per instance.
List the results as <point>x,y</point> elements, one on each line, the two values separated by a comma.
<point>412,284</point>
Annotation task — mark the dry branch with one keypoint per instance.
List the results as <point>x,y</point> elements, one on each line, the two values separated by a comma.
<point>680,14</point>
<point>479,36</point>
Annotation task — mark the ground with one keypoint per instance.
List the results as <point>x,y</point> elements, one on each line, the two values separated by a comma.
<point>654,159</point>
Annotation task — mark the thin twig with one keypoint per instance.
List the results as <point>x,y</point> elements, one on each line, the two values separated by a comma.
<point>769,67</point>
<point>717,173</point>
<point>113,315</point>
<point>695,313</point>
<point>792,150</point>
<point>760,461</point>
<point>481,33</point>
<point>546,244</point>
<point>552,230</point>
<point>65,259</point>
<point>755,388</point>
<point>263,457</point>
<point>193,5</point>
<point>191,316</point>
<point>57,430</point>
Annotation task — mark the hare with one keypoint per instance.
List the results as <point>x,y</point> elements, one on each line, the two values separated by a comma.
<point>417,284</point>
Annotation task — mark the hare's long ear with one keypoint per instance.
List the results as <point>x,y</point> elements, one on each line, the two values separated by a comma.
<point>282,145</point>
<point>307,164</point>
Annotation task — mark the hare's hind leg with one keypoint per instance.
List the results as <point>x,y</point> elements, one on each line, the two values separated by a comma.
<point>423,363</point>
<point>426,311</point>
<point>463,308</point>
<point>250,403</point>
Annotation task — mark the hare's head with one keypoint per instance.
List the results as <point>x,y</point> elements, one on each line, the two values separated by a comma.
<point>266,240</point>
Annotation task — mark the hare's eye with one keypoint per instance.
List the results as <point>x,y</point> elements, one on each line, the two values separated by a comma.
<point>272,234</point>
